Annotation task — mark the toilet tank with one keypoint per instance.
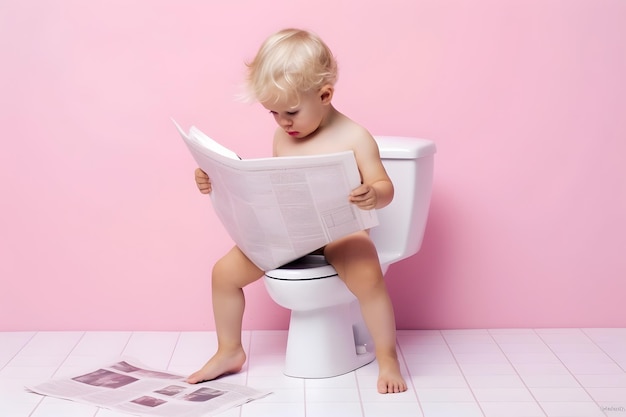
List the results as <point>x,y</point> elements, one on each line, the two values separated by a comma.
<point>409,163</point>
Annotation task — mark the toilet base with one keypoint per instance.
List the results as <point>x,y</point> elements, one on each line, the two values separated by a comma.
<point>321,343</point>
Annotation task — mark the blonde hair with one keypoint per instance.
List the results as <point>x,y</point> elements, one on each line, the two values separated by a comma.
<point>288,63</point>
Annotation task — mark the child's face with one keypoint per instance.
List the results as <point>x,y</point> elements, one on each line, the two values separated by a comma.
<point>299,118</point>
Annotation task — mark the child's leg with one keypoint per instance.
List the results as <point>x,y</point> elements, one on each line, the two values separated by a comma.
<point>230,274</point>
<point>356,261</point>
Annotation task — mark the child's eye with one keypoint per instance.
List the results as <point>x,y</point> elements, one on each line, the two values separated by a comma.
<point>272,112</point>
<point>292,113</point>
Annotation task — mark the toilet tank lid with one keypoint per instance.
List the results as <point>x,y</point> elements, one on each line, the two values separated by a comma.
<point>401,147</point>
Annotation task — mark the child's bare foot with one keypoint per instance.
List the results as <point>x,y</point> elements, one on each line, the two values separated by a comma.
<point>390,378</point>
<point>221,363</point>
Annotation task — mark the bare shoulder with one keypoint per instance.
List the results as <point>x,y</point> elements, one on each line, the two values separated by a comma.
<point>359,138</point>
<point>362,142</point>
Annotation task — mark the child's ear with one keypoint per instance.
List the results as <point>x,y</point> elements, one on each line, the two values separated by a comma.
<point>326,93</point>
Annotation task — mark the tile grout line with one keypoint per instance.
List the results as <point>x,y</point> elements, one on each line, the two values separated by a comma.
<point>69,353</point>
<point>169,362</point>
<point>463,375</point>
<point>130,337</point>
<point>19,350</point>
<point>517,372</point>
<point>358,390</point>
<point>601,349</point>
<point>608,356</point>
<point>98,408</point>
<point>570,372</point>
<point>406,366</point>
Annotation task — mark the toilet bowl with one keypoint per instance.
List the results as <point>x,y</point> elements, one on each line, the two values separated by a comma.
<point>327,335</point>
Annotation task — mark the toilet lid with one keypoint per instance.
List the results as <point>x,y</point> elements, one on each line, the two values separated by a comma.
<point>305,268</point>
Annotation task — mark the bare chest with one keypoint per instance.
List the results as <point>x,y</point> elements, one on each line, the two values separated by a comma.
<point>312,146</point>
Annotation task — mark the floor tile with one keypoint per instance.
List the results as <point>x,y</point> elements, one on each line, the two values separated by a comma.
<point>512,409</point>
<point>275,382</point>
<point>283,395</point>
<point>603,394</point>
<point>11,343</point>
<point>341,409</point>
<point>51,344</point>
<point>483,372</point>
<point>481,358</point>
<point>468,338</point>
<point>331,395</point>
<point>266,365</point>
<point>526,369</point>
<point>523,338</point>
<point>261,409</point>
<point>604,335</point>
<point>439,381</point>
<point>563,336</point>
<point>57,407</point>
<point>441,409</point>
<point>572,409</point>
<point>518,358</point>
<point>503,368</point>
<point>503,395</point>
<point>616,351</point>
<point>438,369</point>
<point>452,395</point>
<point>268,342</point>
<point>153,349</point>
<point>549,394</point>
<point>583,368</point>
<point>495,381</point>
<point>520,348</point>
<point>420,337</point>
<point>417,359</point>
<point>102,343</point>
<point>550,381</point>
<point>603,380</point>
<point>15,409</point>
<point>399,409</point>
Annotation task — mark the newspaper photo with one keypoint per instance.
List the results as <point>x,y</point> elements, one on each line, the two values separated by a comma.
<point>281,208</point>
<point>132,388</point>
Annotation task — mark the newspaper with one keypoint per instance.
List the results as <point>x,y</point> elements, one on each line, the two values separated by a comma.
<point>282,208</point>
<point>130,387</point>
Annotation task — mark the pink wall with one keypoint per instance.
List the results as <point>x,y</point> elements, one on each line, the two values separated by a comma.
<point>102,227</point>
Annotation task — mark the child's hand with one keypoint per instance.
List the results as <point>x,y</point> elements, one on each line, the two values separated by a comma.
<point>364,196</point>
<point>203,181</point>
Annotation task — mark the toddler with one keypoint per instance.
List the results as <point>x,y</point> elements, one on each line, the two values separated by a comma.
<point>293,77</point>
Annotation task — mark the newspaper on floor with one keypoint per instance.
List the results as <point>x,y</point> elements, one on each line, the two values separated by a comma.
<point>280,209</point>
<point>130,387</point>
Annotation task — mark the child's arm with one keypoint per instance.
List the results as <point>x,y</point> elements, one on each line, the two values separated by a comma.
<point>203,181</point>
<point>376,190</point>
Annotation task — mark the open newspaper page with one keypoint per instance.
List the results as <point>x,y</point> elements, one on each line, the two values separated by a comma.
<point>279,209</point>
<point>130,387</point>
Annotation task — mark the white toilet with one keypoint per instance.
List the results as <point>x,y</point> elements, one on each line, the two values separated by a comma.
<point>327,336</point>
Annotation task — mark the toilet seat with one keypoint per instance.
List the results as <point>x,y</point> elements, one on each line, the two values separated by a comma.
<point>309,267</point>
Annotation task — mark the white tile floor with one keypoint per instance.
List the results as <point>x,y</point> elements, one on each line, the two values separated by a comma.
<point>455,373</point>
